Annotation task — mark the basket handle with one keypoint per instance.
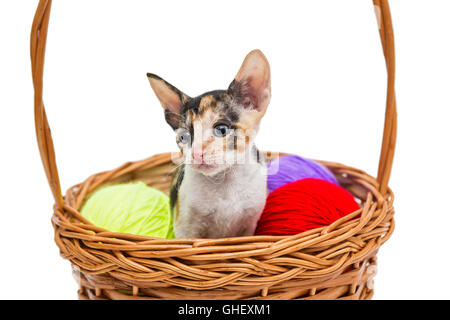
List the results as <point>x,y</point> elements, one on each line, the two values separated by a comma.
<point>44,138</point>
<point>43,134</point>
<point>390,121</point>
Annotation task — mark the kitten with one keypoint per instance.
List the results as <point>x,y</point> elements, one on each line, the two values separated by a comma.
<point>220,189</point>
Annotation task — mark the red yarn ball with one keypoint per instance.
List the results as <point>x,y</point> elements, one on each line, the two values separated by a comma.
<point>304,205</point>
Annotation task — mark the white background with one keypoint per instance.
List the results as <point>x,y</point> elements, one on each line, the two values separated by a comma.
<point>328,80</point>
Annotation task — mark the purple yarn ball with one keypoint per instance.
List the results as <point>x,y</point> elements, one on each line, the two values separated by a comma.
<point>291,168</point>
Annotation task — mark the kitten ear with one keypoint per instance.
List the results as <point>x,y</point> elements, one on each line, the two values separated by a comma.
<point>251,86</point>
<point>170,98</point>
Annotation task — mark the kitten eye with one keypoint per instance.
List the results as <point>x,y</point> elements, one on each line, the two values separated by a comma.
<point>184,137</point>
<point>221,130</point>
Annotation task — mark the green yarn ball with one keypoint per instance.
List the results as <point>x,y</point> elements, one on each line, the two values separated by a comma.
<point>130,208</point>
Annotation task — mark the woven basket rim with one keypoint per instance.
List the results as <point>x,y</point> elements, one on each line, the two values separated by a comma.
<point>79,192</point>
<point>236,239</point>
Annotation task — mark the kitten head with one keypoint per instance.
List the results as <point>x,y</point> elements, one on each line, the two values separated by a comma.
<point>217,129</point>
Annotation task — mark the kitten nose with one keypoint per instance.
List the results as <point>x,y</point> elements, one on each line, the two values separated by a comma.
<point>198,156</point>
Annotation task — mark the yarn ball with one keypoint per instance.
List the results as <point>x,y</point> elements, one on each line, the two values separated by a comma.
<point>291,168</point>
<point>304,205</point>
<point>130,208</point>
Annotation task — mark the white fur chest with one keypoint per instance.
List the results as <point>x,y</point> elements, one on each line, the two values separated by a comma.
<point>224,206</point>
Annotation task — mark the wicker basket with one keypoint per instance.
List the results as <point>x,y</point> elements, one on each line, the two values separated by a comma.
<point>334,262</point>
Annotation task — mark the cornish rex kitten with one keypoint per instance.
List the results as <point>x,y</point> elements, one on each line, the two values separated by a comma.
<point>220,189</point>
